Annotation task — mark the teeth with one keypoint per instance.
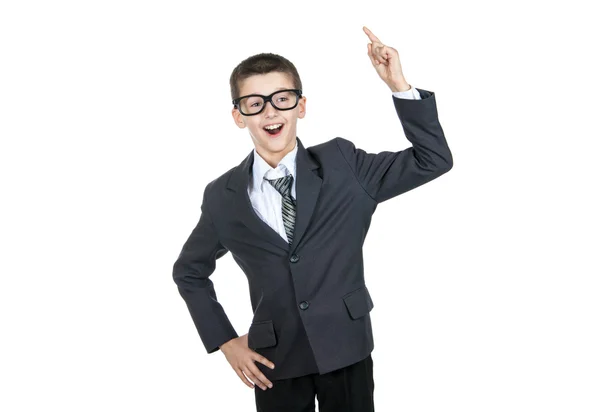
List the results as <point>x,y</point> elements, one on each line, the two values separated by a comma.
<point>273,126</point>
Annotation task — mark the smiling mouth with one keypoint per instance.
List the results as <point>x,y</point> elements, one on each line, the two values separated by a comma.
<point>274,132</point>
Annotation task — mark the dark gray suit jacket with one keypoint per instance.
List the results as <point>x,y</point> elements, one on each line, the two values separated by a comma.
<point>310,301</point>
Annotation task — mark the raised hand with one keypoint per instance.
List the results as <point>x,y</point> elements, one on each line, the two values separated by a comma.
<point>241,358</point>
<point>386,61</point>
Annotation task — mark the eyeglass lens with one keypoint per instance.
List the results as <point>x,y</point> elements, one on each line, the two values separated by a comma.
<point>282,101</point>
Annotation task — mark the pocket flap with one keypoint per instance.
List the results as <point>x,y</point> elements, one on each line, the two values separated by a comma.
<point>359,302</point>
<point>261,335</point>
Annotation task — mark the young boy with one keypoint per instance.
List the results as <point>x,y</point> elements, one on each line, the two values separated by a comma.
<point>295,219</point>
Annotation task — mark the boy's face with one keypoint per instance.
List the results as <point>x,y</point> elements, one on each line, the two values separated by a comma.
<point>270,148</point>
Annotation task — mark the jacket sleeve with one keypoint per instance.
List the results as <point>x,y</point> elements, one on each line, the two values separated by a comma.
<point>191,272</point>
<point>387,174</point>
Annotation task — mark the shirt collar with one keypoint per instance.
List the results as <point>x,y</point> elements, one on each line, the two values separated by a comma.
<point>260,168</point>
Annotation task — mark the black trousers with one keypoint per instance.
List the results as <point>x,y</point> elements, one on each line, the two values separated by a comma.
<point>349,389</point>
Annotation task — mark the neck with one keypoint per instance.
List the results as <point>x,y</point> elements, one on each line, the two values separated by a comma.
<point>273,159</point>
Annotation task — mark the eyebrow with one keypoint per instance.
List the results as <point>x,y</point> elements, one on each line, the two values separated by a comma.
<point>279,88</point>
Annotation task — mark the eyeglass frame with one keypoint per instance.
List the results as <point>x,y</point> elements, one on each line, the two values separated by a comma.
<point>267,99</point>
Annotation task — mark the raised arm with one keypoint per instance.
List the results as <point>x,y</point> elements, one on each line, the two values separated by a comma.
<point>387,174</point>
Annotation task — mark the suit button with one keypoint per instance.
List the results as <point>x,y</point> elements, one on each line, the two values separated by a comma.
<point>294,258</point>
<point>304,305</point>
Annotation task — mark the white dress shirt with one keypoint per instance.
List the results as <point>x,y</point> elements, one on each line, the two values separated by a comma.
<point>265,199</point>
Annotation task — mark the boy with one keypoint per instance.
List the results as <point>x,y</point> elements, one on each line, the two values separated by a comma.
<point>295,219</point>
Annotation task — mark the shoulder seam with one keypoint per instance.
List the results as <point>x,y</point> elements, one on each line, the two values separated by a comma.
<point>353,172</point>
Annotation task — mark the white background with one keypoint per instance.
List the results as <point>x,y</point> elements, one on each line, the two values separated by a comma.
<point>114,115</point>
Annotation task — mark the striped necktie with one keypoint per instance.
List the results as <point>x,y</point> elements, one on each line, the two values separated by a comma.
<point>288,203</point>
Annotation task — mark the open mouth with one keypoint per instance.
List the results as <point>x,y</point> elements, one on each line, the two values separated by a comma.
<point>274,132</point>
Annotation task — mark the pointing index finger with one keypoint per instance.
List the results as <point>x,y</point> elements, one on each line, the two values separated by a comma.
<point>372,37</point>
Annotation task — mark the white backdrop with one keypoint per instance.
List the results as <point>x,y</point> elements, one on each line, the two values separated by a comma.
<point>114,116</point>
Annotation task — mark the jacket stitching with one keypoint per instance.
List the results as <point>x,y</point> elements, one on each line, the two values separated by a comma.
<point>353,172</point>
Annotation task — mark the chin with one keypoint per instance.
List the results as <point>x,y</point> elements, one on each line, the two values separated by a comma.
<point>276,145</point>
<point>281,141</point>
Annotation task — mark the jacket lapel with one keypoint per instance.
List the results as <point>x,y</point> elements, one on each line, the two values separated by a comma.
<point>308,186</point>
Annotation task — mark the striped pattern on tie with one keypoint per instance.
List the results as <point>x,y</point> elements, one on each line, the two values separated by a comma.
<point>288,203</point>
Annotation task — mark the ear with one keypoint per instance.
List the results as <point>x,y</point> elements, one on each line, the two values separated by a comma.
<point>238,118</point>
<point>302,107</point>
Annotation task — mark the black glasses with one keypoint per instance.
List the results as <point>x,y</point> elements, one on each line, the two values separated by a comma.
<point>255,103</point>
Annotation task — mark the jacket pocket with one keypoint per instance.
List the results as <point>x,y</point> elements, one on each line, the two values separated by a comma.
<point>358,302</point>
<point>261,335</point>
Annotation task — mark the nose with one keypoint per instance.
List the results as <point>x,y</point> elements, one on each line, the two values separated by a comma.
<point>270,109</point>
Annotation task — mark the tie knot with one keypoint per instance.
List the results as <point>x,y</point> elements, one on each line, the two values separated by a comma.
<point>283,184</point>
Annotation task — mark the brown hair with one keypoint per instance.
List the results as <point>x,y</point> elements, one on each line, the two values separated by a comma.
<point>262,63</point>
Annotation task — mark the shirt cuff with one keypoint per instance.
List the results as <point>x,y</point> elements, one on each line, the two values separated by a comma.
<point>411,94</point>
